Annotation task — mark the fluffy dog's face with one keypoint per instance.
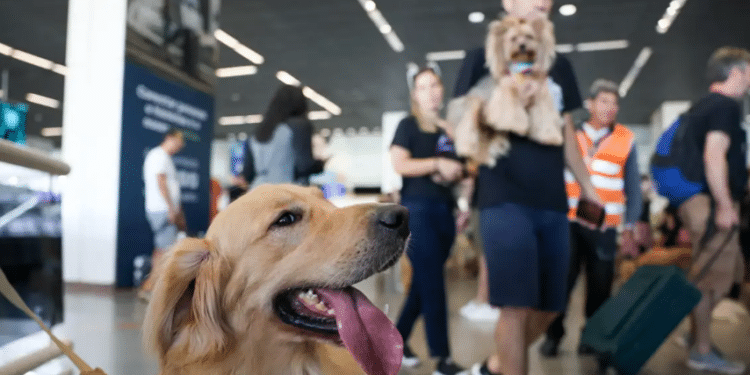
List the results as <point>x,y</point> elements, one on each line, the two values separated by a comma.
<point>521,42</point>
<point>282,260</point>
<point>517,40</point>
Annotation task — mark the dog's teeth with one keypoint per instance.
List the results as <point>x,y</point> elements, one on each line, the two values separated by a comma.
<point>331,312</point>
<point>321,306</point>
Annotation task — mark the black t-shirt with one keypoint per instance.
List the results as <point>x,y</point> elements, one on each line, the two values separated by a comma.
<point>423,145</point>
<point>531,174</point>
<point>716,112</point>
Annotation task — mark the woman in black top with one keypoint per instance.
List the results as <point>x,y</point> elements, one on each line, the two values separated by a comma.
<point>423,154</point>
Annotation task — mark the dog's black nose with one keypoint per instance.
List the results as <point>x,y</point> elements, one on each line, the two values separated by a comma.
<point>522,48</point>
<point>393,217</point>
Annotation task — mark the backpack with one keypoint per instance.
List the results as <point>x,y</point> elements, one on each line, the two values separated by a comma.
<point>677,164</point>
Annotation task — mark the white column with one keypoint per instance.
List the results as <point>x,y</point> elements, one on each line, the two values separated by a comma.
<point>92,122</point>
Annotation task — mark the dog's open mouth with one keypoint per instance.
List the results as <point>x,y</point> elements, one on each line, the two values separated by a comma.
<point>345,316</point>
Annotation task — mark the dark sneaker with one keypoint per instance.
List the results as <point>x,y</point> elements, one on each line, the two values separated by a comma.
<point>550,347</point>
<point>410,359</point>
<point>446,366</point>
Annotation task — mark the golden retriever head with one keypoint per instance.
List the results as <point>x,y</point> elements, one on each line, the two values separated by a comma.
<point>273,274</point>
<point>517,40</point>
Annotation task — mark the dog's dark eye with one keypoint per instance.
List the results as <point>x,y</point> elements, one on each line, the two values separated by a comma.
<point>286,219</point>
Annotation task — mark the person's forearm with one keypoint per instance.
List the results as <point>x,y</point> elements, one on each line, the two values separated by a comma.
<point>633,194</point>
<point>573,158</point>
<point>410,167</point>
<point>164,189</point>
<point>717,178</point>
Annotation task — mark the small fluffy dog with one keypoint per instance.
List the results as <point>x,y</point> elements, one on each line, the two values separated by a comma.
<point>519,53</point>
<point>271,281</point>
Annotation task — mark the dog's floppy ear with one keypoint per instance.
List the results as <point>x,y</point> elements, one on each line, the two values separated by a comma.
<point>545,31</point>
<point>494,48</point>
<point>184,322</point>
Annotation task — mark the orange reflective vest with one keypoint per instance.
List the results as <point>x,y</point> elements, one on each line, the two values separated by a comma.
<point>606,165</point>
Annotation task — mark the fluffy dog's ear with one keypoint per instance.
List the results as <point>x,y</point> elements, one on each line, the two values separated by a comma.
<point>494,48</point>
<point>545,32</point>
<point>184,322</point>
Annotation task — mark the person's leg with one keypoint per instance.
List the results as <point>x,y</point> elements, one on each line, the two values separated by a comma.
<point>556,330</point>
<point>600,268</point>
<point>417,246</point>
<point>512,264</point>
<point>439,239</point>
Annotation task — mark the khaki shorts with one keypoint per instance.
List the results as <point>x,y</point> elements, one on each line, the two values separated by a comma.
<point>729,267</point>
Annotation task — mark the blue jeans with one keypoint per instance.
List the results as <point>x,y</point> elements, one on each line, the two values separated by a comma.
<point>432,232</point>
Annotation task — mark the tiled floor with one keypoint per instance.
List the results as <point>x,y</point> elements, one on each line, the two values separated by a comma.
<point>105,329</point>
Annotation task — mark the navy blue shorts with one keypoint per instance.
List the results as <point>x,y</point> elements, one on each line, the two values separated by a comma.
<point>528,253</point>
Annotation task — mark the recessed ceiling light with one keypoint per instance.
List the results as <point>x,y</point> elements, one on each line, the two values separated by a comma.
<point>663,23</point>
<point>476,17</point>
<point>568,10</point>
<point>385,29</point>
<point>370,5</point>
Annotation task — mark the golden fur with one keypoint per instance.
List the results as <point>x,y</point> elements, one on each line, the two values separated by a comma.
<point>495,106</point>
<point>211,311</point>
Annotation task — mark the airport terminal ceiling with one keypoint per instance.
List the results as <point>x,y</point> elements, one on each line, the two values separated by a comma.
<point>333,47</point>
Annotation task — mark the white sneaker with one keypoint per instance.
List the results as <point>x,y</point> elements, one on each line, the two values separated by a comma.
<point>480,312</point>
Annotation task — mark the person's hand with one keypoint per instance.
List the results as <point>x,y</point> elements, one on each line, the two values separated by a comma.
<point>726,217</point>
<point>628,246</point>
<point>449,169</point>
<point>462,221</point>
<point>527,90</point>
<point>643,234</point>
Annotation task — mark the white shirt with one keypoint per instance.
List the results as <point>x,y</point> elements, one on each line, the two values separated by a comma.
<point>595,135</point>
<point>159,162</point>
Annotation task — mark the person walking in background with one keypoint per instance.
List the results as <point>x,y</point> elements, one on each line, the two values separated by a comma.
<point>162,192</point>
<point>280,151</point>
<point>608,149</point>
<point>523,214</point>
<point>418,141</point>
<point>715,123</point>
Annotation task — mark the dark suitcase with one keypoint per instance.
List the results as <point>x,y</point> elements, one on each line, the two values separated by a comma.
<point>628,328</point>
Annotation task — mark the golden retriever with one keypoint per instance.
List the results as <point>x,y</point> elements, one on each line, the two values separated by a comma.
<point>271,280</point>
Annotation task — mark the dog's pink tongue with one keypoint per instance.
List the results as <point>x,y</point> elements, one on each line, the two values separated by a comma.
<point>366,331</point>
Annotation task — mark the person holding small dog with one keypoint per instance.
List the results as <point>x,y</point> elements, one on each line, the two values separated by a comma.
<point>521,191</point>
<point>608,149</point>
<point>422,153</point>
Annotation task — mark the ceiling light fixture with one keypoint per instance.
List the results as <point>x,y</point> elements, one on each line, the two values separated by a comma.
<point>241,49</point>
<point>232,120</point>
<point>321,101</point>
<point>663,25</point>
<point>253,119</point>
<point>602,46</point>
<point>287,78</point>
<point>568,10</point>
<point>445,55</point>
<point>32,59</point>
<point>52,132</point>
<point>383,26</point>
<point>42,100</point>
<point>476,17</point>
<point>5,49</point>
<point>629,79</point>
<point>565,48</point>
<point>235,71</point>
<point>319,115</point>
